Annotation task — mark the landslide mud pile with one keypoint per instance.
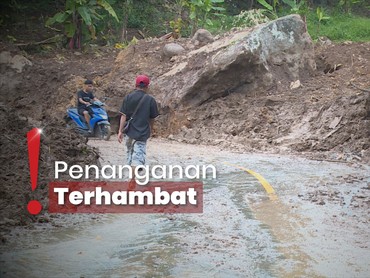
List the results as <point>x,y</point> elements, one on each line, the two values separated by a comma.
<point>27,101</point>
<point>56,144</point>
<point>268,88</point>
<point>261,89</point>
<point>328,116</point>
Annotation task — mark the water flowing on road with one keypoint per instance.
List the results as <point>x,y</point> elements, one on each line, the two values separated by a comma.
<point>315,225</point>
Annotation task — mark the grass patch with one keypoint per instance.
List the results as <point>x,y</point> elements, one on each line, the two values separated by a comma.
<point>339,27</point>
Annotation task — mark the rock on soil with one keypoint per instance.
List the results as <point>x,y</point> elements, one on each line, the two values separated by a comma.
<point>202,37</point>
<point>172,49</point>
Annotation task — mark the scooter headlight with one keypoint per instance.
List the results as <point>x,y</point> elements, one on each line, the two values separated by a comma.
<point>104,117</point>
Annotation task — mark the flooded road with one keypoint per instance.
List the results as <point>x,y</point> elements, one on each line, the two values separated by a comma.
<point>316,224</point>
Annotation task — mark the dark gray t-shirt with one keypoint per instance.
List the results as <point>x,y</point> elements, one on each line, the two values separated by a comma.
<point>140,125</point>
<point>82,94</point>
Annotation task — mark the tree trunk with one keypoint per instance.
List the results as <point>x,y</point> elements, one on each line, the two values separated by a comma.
<point>124,28</point>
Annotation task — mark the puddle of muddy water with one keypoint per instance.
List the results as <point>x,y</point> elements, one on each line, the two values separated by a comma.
<point>326,252</point>
<point>241,233</point>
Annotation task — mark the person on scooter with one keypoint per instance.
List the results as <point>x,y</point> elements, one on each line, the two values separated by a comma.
<point>82,103</point>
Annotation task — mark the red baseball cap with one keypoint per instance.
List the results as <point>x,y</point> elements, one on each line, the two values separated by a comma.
<point>142,81</point>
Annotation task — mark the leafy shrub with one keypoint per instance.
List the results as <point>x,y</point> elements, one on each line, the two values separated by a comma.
<point>250,18</point>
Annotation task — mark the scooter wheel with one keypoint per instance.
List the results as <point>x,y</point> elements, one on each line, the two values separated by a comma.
<point>104,132</point>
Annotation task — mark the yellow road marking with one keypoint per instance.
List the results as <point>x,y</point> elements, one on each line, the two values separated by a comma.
<point>270,213</point>
<point>261,179</point>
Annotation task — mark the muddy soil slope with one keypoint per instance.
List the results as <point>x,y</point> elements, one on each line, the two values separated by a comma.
<point>28,84</point>
<point>328,114</point>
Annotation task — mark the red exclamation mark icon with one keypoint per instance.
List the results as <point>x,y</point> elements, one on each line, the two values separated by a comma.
<point>33,140</point>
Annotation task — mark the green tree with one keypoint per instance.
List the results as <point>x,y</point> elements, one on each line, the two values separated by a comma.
<point>200,11</point>
<point>127,6</point>
<point>80,18</point>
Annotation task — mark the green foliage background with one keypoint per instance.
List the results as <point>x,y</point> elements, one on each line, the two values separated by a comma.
<point>339,20</point>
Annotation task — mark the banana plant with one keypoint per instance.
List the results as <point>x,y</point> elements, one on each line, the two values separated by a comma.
<point>321,17</point>
<point>298,7</point>
<point>295,5</point>
<point>269,9</point>
<point>80,17</point>
<point>200,11</point>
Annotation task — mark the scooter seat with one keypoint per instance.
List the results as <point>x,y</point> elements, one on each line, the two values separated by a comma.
<point>75,111</point>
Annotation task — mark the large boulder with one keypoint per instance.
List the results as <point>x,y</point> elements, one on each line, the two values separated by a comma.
<point>241,62</point>
<point>17,62</point>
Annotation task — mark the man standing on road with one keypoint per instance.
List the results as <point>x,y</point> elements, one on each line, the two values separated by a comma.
<point>140,109</point>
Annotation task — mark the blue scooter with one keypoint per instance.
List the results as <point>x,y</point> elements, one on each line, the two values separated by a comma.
<point>100,126</point>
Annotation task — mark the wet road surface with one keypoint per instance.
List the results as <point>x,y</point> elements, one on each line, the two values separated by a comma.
<point>311,228</point>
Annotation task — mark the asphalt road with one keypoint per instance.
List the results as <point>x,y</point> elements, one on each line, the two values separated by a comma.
<point>314,223</point>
